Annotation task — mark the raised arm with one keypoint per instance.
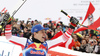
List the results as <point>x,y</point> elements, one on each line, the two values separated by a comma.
<point>60,39</point>
<point>63,37</point>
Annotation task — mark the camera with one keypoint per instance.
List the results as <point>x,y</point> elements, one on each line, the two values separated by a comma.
<point>14,30</point>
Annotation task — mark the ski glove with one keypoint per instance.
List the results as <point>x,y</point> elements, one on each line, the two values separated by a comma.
<point>73,22</point>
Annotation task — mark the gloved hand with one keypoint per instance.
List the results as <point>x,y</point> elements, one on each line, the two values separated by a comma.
<point>5,19</point>
<point>73,22</point>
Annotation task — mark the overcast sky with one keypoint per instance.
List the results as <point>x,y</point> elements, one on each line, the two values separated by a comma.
<point>41,9</point>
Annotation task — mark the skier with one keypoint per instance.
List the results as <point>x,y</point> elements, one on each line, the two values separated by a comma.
<point>39,47</point>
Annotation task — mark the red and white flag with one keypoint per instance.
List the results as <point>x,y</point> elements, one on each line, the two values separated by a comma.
<point>67,36</point>
<point>4,10</point>
<point>90,11</point>
<point>93,26</point>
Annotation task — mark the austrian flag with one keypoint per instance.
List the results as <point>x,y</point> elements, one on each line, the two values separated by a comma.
<point>89,13</point>
<point>69,42</point>
<point>4,10</point>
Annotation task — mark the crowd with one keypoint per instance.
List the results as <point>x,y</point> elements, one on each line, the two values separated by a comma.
<point>21,29</point>
<point>85,41</point>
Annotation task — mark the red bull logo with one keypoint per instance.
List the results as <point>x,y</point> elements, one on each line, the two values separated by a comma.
<point>37,47</point>
<point>36,52</point>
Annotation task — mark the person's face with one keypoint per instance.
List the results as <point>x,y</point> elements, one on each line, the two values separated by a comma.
<point>75,37</point>
<point>99,40</point>
<point>84,32</point>
<point>94,37</point>
<point>83,42</point>
<point>87,37</point>
<point>25,29</point>
<point>40,35</point>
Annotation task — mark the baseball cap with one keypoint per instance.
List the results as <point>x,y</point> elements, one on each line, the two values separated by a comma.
<point>78,34</point>
<point>37,28</point>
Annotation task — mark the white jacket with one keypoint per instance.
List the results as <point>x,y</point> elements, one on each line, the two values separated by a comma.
<point>8,49</point>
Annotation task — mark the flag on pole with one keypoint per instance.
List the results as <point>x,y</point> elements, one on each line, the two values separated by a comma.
<point>93,26</point>
<point>90,11</point>
<point>4,10</point>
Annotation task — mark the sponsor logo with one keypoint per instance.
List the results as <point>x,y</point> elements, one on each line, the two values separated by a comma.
<point>36,52</point>
<point>35,29</point>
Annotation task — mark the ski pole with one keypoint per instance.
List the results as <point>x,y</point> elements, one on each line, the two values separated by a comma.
<point>70,17</point>
<point>10,18</point>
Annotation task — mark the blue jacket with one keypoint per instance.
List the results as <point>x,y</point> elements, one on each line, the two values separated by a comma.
<point>35,49</point>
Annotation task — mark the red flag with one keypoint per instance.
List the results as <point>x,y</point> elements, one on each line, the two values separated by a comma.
<point>80,29</point>
<point>93,26</point>
<point>57,35</point>
<point>69,43</point>
<point>89,11</point>
<point>4,10</point>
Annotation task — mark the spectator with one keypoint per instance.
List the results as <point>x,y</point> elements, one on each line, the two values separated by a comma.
<point>59,28</point>
<point>94,36</point>
<point>27,33</point>
<point>77,43</point>
<point>83,46</point>
<point>22,25</point>
<point>29,25</point>
<point>79,36</point>
<point>97,48</point>
<point>87,37</point>
<point>90,47</point>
